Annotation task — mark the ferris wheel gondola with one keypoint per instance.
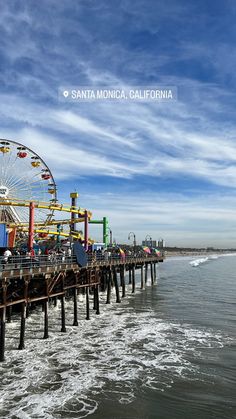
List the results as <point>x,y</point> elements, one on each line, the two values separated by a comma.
<point>24,176</point>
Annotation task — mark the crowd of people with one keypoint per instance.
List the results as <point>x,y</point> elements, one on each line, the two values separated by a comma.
<point>36,257</point>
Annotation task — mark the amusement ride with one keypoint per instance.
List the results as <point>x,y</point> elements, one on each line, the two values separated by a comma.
<point>29,204</point>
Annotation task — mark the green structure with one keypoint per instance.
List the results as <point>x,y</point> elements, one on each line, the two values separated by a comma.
<point>104,222</point>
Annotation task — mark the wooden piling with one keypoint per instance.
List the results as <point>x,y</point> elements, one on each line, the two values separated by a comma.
<point>118,300</point>
<point>94,299</point>
<point>109,279</point>
<point>122,278</point>
<point>133,278</point>
<point>45,336</point>
<point>130,277</point>
<point>87,304</point>
<point>27,313</point>
<point>97,299</point>
<point>2,333</point>
<point>152,275</point>
<point>75,322</point>
<point>9,313</point>
<point>142,282</point>
<point>155,271</point>
<point>63,314</point>
<point>22,326</point>
<point>146,273</point>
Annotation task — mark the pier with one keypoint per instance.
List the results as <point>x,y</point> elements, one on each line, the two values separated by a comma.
<point>27,283</point>
<point>39,263</point>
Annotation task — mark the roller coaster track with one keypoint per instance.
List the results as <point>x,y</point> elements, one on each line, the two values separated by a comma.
<point>45,205</point>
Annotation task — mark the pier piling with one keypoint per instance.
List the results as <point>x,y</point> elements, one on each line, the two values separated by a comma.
<point>63,314</point>
<point>130,278</point>
<point>87,304</point>
<point>2,334</point>
<point>142,283</point>
<point>122,279</point>
<point>97,299</point>
<point>109,278</point>
<point>146,273</point>
<point>45,336</point>
<point>118,300</point>
<point>155,271</point>
<point>133,278</point>
<point>9,313</point>
<point>75,322</point>
<point>22,326</point>
<point>152,276</point>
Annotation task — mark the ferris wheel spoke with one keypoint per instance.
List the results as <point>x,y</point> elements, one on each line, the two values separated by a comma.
<point>5,163</point>
<point>9,175</point>
<point>30,174</point>
<point>25,180</point>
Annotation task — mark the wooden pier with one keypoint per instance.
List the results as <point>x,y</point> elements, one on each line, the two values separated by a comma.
<point>22,287</point>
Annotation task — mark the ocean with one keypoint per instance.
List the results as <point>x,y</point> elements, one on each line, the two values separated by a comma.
<point>167,352</point>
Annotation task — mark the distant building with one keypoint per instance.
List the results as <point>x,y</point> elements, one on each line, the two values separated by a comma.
<point>149,243</point>
<point>161,243</point>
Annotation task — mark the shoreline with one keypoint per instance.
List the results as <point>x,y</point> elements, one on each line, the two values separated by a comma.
<point>194,254</point>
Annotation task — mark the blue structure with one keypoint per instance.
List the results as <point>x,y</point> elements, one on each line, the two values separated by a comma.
<point>3,235</point>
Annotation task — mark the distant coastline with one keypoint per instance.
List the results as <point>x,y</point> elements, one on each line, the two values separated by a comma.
<point>195,252</point>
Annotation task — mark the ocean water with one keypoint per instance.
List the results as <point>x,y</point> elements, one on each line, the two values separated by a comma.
<point>167,352</point>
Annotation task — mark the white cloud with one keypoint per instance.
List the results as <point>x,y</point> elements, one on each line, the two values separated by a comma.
<point>207,220</point>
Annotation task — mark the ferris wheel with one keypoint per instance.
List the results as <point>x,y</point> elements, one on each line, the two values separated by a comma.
<point>24,176</point>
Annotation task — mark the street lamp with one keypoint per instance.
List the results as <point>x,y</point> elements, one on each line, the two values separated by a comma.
<point>134,237</point>
<point>110,235</point>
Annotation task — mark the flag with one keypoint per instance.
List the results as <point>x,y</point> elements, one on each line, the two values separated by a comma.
<point>146,249</point>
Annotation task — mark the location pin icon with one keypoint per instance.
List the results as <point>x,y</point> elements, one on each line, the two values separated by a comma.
<point>65,93</point>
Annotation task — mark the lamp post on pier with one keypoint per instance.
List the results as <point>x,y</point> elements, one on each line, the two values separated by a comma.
<point>110,232</point>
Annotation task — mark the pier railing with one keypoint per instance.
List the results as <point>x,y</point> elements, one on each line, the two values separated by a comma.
<point>19,262</point>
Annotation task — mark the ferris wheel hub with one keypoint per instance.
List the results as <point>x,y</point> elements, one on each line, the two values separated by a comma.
<point>4,191</point>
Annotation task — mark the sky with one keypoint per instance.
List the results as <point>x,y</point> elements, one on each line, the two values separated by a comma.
<point>164,169</point>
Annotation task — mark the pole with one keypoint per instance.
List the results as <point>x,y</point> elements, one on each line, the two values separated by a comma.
<point>74,196</point>
<point>87,303</point>
<point>105,231</point>
<point>109,278</point>
<point>122,277</point>
<point>116,285</point>
<point>133,278</point>
<point>31,226</point>
<point>142,284</point>
<point>86,230</point>
<point>2,334</point>
<point>63,314</point>
<point>45,336</point>
<point>75,323</point>
<point>22,326</point>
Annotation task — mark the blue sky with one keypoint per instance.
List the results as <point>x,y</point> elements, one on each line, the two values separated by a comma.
<point>163,169</point>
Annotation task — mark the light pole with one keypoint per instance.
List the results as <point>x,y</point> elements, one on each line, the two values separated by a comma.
<point>110,235</point>
<point>134,237</point>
